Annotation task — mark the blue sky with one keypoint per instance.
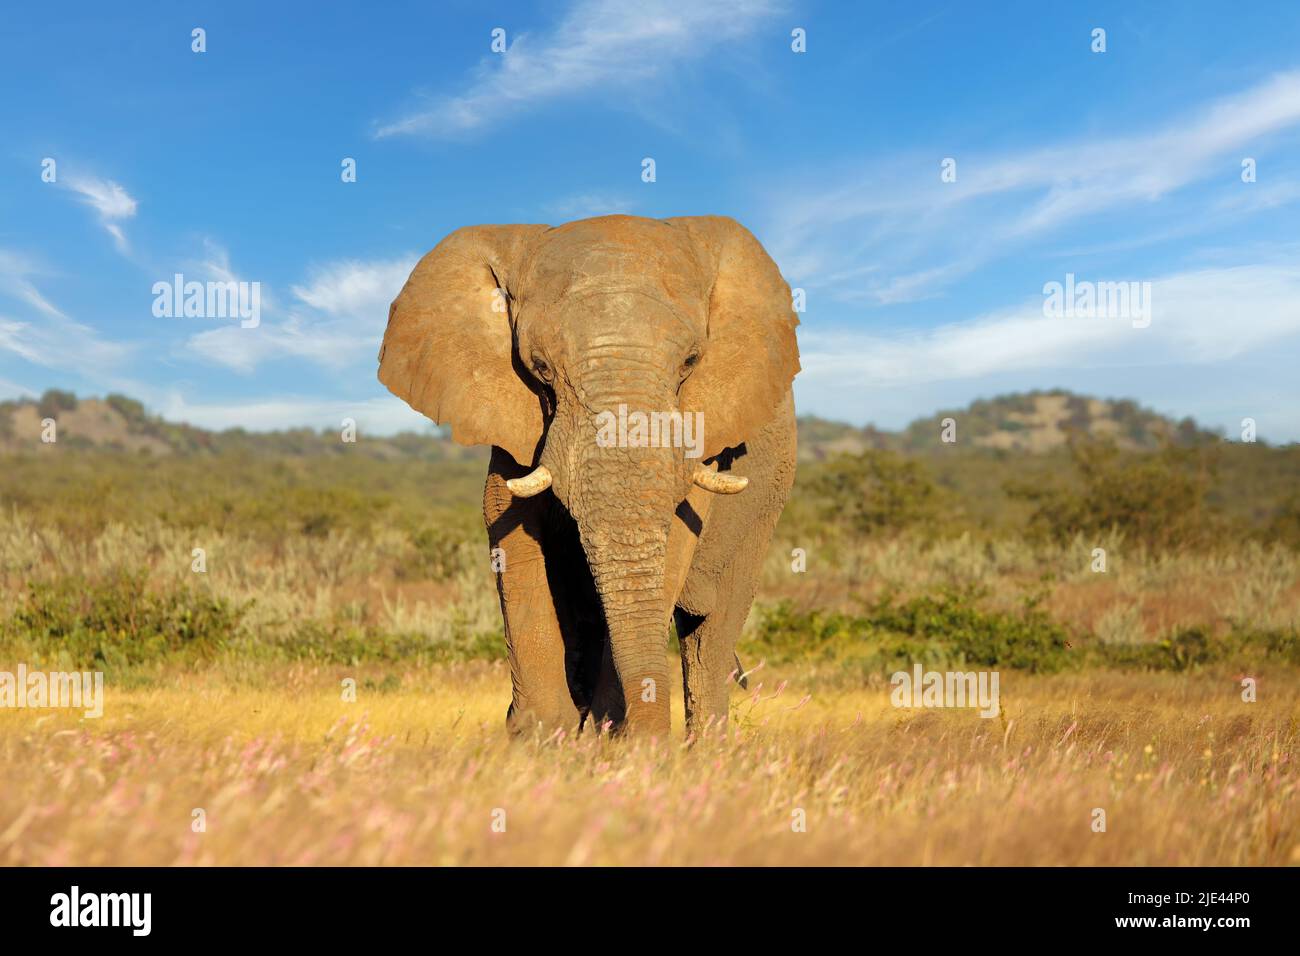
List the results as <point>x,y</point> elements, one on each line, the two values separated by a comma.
<point>1124,165</point>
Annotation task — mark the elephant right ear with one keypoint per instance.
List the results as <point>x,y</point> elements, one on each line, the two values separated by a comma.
<point>449,351</point>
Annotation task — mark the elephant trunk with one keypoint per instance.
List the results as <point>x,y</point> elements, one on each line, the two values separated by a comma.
<point>623,501</point>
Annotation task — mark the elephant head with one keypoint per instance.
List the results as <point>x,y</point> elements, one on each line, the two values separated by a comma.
<point>531,338</point>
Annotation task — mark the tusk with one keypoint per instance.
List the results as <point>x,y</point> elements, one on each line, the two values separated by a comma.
<point>720,483</point>
<point>533,483</point>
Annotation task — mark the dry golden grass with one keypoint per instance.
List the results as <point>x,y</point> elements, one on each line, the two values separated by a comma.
<point>418,769</point>
<point>288,773</point>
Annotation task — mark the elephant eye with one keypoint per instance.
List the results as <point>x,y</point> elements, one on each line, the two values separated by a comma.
<point>691,361</point>
<point>542,370</point>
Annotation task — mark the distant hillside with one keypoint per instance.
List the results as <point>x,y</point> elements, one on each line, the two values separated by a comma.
<point>1041,421</point>
<point>121,423</point>
<point>1029,422</point>
<point>821,438</point>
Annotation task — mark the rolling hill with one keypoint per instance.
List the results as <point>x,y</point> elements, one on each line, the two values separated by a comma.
<point>1030,422</point>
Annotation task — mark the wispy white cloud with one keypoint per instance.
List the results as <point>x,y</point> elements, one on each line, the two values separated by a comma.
<point>49,338</point>
<point>1202,317</point>
<point>356,290</point>
<point>16,273</point>
<point>378,416</point>
<point>599,45</point>
<point>11,390</point>
<point>336,319</point>
<point>214,264</point>
<point>920,234</point>
<point>61,344</point>
<point>586,205</point>
<point>109,200</point>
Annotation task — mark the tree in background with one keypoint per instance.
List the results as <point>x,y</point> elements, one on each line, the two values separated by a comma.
<point>54,401</point>
<point>1157,499</point>
<point>876,491</point>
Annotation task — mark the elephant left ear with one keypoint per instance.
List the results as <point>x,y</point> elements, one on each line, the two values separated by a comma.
<point>752,355</point>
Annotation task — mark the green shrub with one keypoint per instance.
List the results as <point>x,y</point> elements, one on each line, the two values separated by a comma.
<point>437,553</point>
<point>876,491</point>
<point>953,621</point>
<point>54,401</point>
<point>947,628</point>
<point>131,410</point>
<point>1157,499</point>
<point>951,629</point>
<point>1194,647</point>
<point>120,621</point>
<point>1284,528</point>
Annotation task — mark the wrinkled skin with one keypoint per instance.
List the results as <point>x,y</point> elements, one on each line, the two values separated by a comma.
<point>519,337</point>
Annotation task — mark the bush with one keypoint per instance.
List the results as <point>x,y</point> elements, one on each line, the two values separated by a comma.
<point>1193,648</point>
<point>55,401</point>
<point>7,410</point>
<point>876,491</point>
<point>948,628</point>
<point>119,621</point>
<point>131,410</point>
<point>437,554</point>
<point>951,630</point>
<point>1284,528</point>
<point>316,511</point>
<point>1157,499</point>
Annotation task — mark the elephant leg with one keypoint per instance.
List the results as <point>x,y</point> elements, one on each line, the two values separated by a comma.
<point>708,641</point>
<point>534,642</point>
<point>607,705</point>
<point>719,590</point>
<point>708,659</point>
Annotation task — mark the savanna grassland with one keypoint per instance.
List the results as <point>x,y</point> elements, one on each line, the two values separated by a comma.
<point>1121,690</point>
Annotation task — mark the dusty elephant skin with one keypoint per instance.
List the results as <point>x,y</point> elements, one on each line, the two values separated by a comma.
<point>530,339</point>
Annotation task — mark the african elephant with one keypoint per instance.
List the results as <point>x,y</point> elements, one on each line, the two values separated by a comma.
<point>544,343</point>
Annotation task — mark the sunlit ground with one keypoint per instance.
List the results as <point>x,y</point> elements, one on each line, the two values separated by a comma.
<point>418,771</point>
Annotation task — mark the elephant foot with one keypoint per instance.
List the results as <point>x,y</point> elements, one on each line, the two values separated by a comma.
<point>542,721</point>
